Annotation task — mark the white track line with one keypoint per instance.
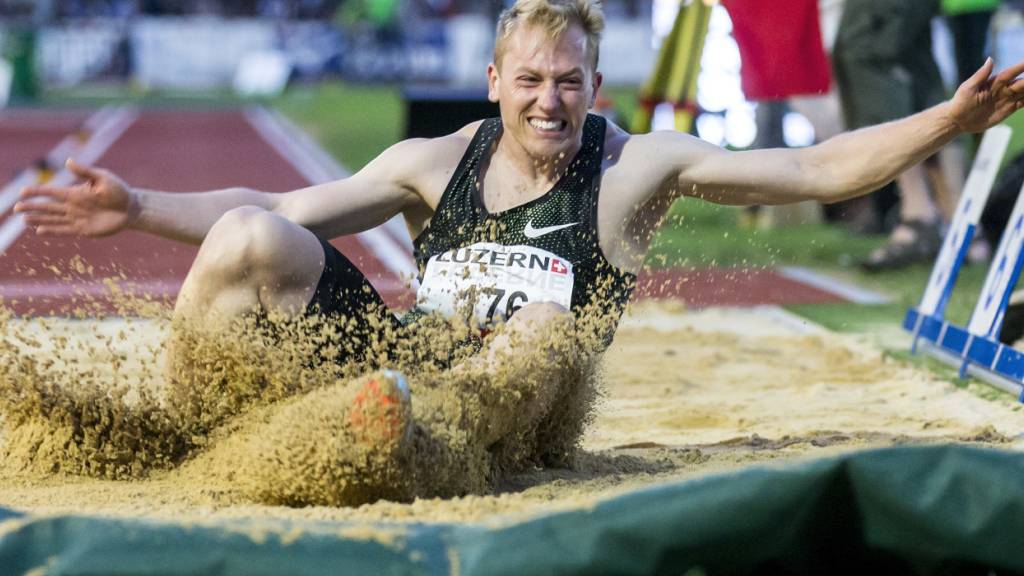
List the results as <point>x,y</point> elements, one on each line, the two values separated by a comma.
<point>97,288</point>
<point>388,242</point>
<point>793,322</point>
<point>62,288</point>
<point>845,290</point>
<point>106,129</point>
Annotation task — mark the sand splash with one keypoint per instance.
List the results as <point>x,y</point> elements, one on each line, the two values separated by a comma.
<point>686,395</point>
<point>261,402</point>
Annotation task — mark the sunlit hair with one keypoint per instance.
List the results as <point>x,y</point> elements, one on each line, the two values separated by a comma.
<point>555,16</point>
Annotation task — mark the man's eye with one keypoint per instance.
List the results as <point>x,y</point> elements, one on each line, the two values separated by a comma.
<point>527,80</point>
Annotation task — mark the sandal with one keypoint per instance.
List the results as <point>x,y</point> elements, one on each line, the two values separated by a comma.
<point>895,255</point>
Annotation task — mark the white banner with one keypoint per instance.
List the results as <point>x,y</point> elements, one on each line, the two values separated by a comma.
<point>196,52</point>
<point>69,54</point>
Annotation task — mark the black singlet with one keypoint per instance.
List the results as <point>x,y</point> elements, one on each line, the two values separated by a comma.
<point>524,252</point>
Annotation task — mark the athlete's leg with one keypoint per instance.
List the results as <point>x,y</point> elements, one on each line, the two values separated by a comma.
<point>353,442</point>
<point>510,390</point>
<point>524,363</point>
<point>221,357</point>
<point>101,434</point>
<point>346,444</point>
<point>252,260</point>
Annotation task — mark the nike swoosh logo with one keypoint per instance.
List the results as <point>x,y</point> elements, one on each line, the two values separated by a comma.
<point>531,232</point>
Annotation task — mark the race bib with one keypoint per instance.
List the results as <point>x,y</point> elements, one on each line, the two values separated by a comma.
<point>491,281</point>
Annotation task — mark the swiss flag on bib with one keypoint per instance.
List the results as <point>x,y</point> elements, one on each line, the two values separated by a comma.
<point>781,50</point>
<point>557,267</point>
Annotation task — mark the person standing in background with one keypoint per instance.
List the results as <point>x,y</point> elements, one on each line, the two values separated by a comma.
<point>968,21</point>
<point>885,70</point>
<point>782,55</point>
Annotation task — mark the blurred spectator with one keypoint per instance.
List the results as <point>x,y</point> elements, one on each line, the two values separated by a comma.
<point>291,9</point>
<point>968,21</point>
<point>885,70</point>
<point>782,55</point>
<point>781,50</point>
<point>16,9</point>
<point>379,15</point>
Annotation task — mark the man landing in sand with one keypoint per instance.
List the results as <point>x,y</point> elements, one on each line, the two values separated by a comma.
<point>527,224</point>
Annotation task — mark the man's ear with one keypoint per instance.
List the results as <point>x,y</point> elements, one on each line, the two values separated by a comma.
<point>493,82</point>
<point>598,79</point>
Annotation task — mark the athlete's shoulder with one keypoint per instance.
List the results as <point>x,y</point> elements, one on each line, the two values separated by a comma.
<point>614,138</point>
<point>638,165</point>
<point>417,155</point>
<point>437,149</point>
<point>662,148</point>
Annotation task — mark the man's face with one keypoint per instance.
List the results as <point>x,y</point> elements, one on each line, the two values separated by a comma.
<point>544,88</point>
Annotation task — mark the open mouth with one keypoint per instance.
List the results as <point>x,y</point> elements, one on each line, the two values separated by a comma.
<point>548,126</point>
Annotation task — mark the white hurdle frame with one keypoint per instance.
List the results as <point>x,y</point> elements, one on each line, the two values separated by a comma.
<point>975,349</point>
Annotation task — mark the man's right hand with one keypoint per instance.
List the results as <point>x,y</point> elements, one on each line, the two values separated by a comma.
<point>99,204</point>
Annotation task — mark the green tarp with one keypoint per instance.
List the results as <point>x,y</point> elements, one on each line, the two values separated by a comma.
<point>907,510</point>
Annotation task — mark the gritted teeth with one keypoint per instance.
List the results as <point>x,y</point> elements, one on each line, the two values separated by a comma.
<point>547,125</point>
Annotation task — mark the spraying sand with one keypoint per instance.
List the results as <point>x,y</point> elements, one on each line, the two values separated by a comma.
<point>683,394</point>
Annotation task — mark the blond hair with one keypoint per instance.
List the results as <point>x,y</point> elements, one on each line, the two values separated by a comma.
<point>555,16</point>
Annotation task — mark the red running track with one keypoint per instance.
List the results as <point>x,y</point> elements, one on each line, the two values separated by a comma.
<point>734,287</point>
<point>167,150</point>
<point>26,137</point>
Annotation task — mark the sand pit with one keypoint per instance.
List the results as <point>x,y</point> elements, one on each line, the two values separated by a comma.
<point>685,394</point>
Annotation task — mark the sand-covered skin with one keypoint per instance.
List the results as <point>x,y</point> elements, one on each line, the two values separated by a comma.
<point>685,394</point>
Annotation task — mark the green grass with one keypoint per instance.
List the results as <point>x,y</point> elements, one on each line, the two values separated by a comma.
<point>95,95</point>
<point>701,234</point>
<point>698,233</point>
<point>354,123</point>
<point>1016,122</point>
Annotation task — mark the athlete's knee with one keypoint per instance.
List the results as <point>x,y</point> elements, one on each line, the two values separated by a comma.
<point>540,313</point>
<point>245,239</point>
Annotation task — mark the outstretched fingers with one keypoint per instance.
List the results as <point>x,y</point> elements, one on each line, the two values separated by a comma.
<point>1013,71</point>
<point>42,191</point>
<point>47,218</point>
<point>1008,77</point>
<point>49,208</point>
<point>981,76</point>
<point>81,170</point>
<point>1017,87</point>
<point>57,230</point>
<point>42,220</point>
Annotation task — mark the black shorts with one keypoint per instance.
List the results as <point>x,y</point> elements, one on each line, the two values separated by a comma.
<point>343,292</point>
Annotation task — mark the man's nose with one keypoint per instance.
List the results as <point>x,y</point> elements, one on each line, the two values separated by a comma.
<point>549,97</point>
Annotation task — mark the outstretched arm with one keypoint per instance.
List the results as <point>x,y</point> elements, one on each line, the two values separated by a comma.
<point>853,163</point>
<point>101,204</point>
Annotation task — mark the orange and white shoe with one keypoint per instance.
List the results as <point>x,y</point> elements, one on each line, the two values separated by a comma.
<point>381,411</point>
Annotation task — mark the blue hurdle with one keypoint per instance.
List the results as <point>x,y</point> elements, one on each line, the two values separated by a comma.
<point>975,349</point>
